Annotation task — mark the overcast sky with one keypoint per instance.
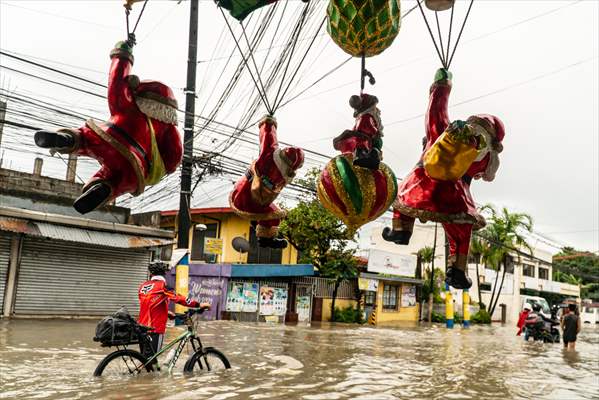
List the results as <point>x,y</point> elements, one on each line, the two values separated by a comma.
<point>532,63</point>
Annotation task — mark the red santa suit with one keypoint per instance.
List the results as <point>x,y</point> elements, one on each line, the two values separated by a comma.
<point>140,143</point>
<point>253,195</point>
<point>365,140</point>
<point>448,201</point>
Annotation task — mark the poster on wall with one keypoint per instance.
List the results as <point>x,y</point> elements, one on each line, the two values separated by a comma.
<point>250,297</point>
<point>408,295</point>
<point>367,284</point>
<point>235,298</point>
<point>280,301</point>
<point>266,300</point>
<point>303,308</point>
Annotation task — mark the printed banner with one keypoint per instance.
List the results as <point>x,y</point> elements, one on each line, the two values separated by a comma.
<point>384,262</point>
<point>213,246</point>
<point>250,297</point>
<point>408,295</point>
<point>280,301</point>
<point>302,306</point>
<point>367,284</point>
<point>235,298</point>
<point>267,300</point>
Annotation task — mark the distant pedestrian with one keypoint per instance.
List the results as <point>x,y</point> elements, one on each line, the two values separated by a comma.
<point>570,327</point>
<point>522,318</point>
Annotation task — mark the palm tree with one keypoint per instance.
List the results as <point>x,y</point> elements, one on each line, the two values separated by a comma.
<point>504,234</point>
<point>425,256</point>
<point>477,248</point>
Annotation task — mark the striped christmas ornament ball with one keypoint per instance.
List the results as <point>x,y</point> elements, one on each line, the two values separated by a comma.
<point>356,195</point>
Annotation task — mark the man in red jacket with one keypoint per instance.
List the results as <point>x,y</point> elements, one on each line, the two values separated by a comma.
<point>154,298</point>
<point>136,147</point>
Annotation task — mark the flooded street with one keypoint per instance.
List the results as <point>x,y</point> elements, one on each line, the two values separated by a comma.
<point>53,359</point>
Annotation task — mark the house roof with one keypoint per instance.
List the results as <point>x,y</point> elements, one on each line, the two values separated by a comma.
<point>199,211</point>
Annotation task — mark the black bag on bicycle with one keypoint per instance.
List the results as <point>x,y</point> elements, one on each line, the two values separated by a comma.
<point>117,329</point>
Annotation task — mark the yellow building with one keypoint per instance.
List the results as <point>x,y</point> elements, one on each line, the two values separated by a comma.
<point>389,299</point>
<point>222,223</point>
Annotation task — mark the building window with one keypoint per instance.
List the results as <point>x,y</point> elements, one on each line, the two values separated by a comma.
<point>197,244</point>
<point>543,273</point>
<point>390,297</point>
<point>262,255</point>
<point>369,298</point>
<point>528,270</point>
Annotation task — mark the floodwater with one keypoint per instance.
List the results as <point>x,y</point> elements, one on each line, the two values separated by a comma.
<point>55,359</point>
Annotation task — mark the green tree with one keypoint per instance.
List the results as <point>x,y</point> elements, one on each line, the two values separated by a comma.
<point>578,268</point>
<point>503,234</point>
<point>477,249</point>
<point>321,238</point>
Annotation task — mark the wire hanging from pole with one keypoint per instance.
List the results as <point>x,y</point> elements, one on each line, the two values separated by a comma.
<point>450,28</point>
<point>432,36</point>
<point>460,34</point>
<point>268,107</point>
<point>440,38</point>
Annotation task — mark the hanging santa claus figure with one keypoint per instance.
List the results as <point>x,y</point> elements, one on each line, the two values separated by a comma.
<point>438,188</point>
<point>364,142</point>
<point>254,193</point>
<point>136,147</point>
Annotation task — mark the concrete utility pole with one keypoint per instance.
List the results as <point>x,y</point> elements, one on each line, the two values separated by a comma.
<point>186,167</point>
<point>182,270</point>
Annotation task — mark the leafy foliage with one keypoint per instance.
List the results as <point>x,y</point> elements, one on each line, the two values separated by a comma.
<point>348,315</point>
<point>505,232</point>
<point>481,317</point>
<point>578,268</point>
<point>437,285</point>
<point>321,238</point>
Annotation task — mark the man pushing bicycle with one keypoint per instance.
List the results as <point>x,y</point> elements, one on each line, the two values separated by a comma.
<point>154,298</point>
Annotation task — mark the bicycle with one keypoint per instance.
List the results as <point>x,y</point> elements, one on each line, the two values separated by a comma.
<point>125,361</point>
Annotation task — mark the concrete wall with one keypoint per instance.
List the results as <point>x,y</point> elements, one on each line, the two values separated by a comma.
<point>49,195</point>
<point>232,226</point>
<point>401,314</point>
<point>339,303</point>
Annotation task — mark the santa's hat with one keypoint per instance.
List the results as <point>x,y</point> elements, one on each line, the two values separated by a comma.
<point>362,103</point>
<point>154,99</point>
<point>494,131</point>
<point>492,126</point>
<point>288,160</point>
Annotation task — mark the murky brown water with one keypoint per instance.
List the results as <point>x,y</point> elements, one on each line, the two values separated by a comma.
<point>55,360</point>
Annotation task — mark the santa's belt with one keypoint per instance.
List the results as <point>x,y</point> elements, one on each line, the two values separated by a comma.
<point>131,141</point>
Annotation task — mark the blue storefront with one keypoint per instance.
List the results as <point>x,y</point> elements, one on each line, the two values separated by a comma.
<point>251,292</point>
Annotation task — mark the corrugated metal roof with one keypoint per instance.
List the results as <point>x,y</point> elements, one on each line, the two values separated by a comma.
<point>79,235</point>
<point>392,278</point>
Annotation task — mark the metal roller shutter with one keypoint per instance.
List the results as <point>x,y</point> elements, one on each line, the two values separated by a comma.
<point>4,259</point>
<point>63,278</point>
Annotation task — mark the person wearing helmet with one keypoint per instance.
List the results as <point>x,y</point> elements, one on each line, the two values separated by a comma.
<point>154,298</point>
<point>522,320</point>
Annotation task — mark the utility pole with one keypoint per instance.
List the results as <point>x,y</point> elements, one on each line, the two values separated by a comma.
<point>182,269</point>
<point>186,167</point>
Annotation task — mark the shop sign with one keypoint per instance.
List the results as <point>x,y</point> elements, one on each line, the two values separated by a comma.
<point>370,285</point>
<point>213,246</point>
<point>384,262</point>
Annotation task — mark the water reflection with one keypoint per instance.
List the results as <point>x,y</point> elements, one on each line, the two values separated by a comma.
<point>55,360</point>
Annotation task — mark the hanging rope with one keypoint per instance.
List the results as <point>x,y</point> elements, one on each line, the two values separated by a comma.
<point>449,36</point>
<point>365,73</point>
<point>432,36</point>
<point>128,12</point>
<point>460,34</point>
<point>247,41</point>
<point>262,95</point>
<point>440,38</point>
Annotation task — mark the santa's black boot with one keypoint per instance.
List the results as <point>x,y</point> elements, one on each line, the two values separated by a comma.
<point>54,140</point>
<point>93,197</point>
<point>273,243</point>
<point>367,159</point>
<point>457,278</point>
<point>397,237</point>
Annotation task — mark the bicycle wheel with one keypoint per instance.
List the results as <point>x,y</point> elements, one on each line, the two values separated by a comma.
<point>121,363</point>
<point>208,360</point>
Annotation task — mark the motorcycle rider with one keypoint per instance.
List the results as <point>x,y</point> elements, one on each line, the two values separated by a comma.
<point>521,325</point>
<point>154,298</point>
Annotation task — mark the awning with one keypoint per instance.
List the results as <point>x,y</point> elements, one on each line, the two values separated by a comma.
<point>80,235</point>
<point>392,278</point>
<point>271,270</point>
